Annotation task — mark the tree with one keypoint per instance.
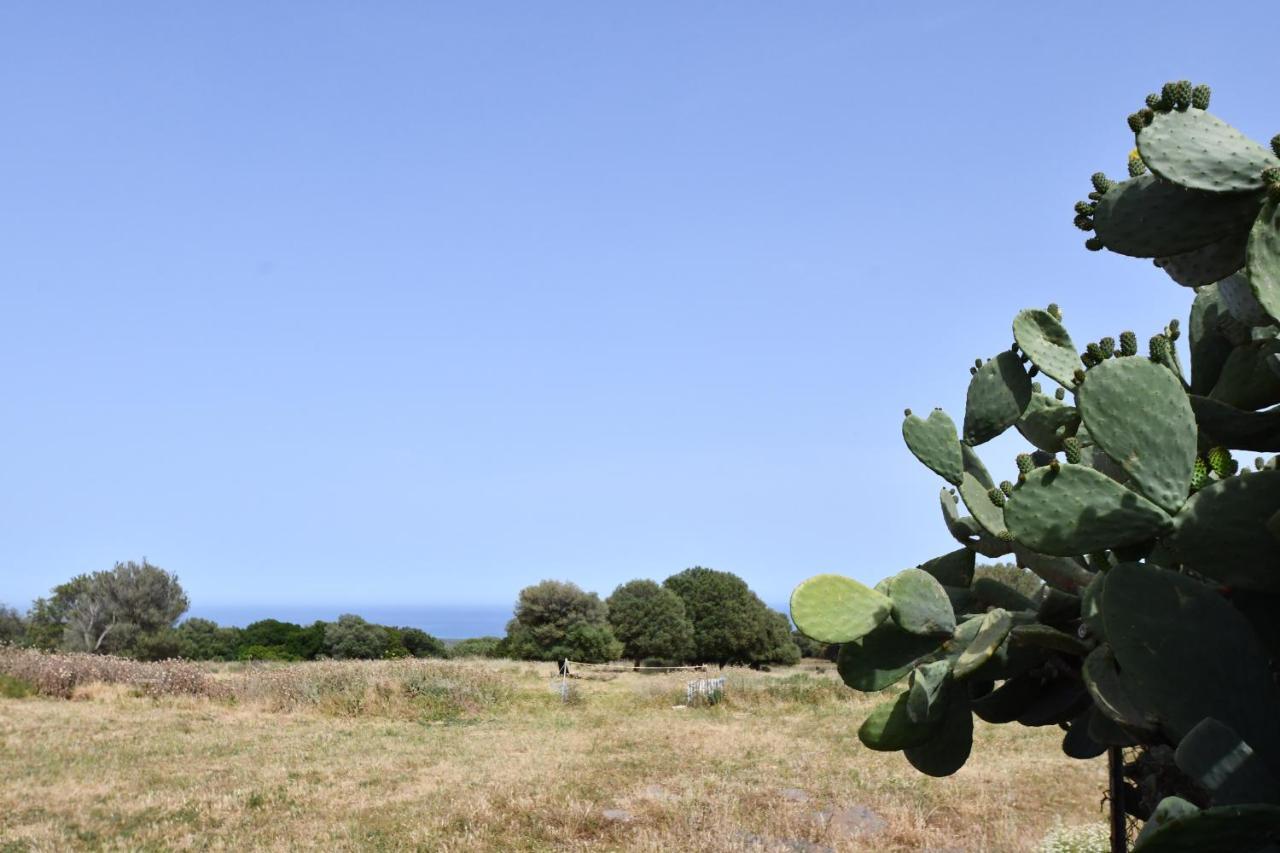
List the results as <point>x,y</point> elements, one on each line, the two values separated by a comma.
<point>478,647</point>
<point>545,614</point>
<point>420,644</point>
<point>13,628</point>
<point>202,639</point>
<point>132,599</point>
<point>353,637</point>
<point>589,643</point>
<point>291,641</point>
<point>779,648</point>
<point>650,622</point>
<point>730,623</point>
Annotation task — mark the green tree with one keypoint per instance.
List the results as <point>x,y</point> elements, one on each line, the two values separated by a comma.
<point>420,644</point>
<point>589,643</point>
<point>109,611</point>
<point>650,622</point>
<point>203,639</point>
<point>353,637</point>
<point>730,623</point>
<point>13,627</point>
<point>290,640</point>
<point>545,614</point>
<point>478,647</point>
<point>778,648</point>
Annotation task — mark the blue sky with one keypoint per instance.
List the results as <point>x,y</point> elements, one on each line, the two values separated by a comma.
<point>353,303</point>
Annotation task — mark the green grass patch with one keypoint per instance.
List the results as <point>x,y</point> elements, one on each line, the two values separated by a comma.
<point>15,688</point>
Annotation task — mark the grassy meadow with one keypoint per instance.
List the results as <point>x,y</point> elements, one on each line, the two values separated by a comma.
<point>484,755</point>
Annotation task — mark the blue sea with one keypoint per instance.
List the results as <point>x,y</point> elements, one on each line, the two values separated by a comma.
<point>450,622</point>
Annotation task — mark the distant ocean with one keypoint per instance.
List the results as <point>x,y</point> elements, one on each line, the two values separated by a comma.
<point>446,622</point>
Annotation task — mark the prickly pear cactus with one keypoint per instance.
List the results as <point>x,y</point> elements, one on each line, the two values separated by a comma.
<point>1158,624</point>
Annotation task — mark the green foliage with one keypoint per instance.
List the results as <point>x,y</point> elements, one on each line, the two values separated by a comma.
<point>479,647</point>
<point>730,623</point>
<point>15,688</point>
<point>291,641</point>
<point>13,627</point>
<point>589,643</point>
<point>418,643</point>
<point>650,622</point>
<point>546,613</point>
<point>109,611</point>
<point>202,639</point>
<point>353,637</point>
<point>1141,611</point>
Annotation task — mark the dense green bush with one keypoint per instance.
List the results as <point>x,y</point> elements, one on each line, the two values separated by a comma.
<point>546,614</point>
<point>730,622</point>
<point>353,637</point>
<point>649,620</point>
<point>479,647</point>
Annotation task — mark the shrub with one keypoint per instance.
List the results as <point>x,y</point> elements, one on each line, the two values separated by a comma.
<point>480,647</point>
<point>353,637</point>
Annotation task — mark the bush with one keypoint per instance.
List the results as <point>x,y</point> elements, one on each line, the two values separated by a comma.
<point>649,620</point>
<point>545,615</point>
<point>264,653</point>
<point>353,637</point>
<point>478,647</point>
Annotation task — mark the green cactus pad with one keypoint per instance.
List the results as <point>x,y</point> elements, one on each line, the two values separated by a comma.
<point>967,531</point>
<point>1146,217</point>
<point>1047,344</point>
<point>1199,151</point>
<point>992,630</point>
<point>1010,700</point>
<point>1264,257</point>
<point>1062,573</point>
<point>986,513</point>
<point>1247,380</point>
<point>1222,532</point>
<point>1111,695</point>
<point>1185,653</point>
<point>1253,828</point>
<point>991,592</point>
<point>1061,700</point>
<point>953,569</point>
<point>920,604</point>
<point>1138,413</point>
<point>998,395</point>
<point>935,443</point>
<point>1209,347</point>
<point>1238,428</point>
<point>1078,743</point>
<point>836,609</point>
<point>1045,637</point>
<point>883,657</point>
<point>1207,264</point>
<point>949,747</point>
<point>973,465</point>
<point>1046,422</point>
<point>890,728</point>
<point>1078,511</point>
<point>927,694</point>
<point>1219,759</point>
<point>1237,295</point>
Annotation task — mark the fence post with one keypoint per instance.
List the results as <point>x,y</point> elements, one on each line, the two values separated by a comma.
<point>1115,780</point>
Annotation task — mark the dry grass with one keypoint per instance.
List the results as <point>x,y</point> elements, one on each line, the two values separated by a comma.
<point>482,755</point>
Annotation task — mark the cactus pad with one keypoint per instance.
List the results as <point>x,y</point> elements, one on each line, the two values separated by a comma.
<point>927,692</point>
<point>992,630</point>
<point>1185,654</point>
<point>948,749</point>
<point>1239,428</point>
<point>1208,264</point>
<point>1241,300</point>
<point>1047,343</point>
<point>890,728</point>
<point>1138,413</point>
<point>836,609</point>
<point>934,442</point>
<point>1209,348</point>
<point>1264,257</point>
<point>1110,694</point>
<point>883,657</point>
<point>1079,510</point>
<point>998,395</point>
<point>1254,828</point>
<point>954,569</point>
<point>1222,533</point>
<point>1147,217</point>
<point>1199,151</point>
<point>978,501</point>
<point>1219,759</point>
<point>1047,422</point>
<point>920,604</point>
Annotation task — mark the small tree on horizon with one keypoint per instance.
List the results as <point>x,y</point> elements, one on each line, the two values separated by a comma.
<point>650,622</point>
<point>546,613</point>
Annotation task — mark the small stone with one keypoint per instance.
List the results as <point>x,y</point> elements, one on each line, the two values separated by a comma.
<point>619,815</point>
<point>854,821</point>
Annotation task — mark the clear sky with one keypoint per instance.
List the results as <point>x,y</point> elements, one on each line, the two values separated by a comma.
<point>418,303</point>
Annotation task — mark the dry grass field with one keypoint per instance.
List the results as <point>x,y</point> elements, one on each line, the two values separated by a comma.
<point>483,755</point>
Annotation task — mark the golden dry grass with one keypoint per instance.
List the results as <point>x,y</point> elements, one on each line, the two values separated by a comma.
<point>114,769</point>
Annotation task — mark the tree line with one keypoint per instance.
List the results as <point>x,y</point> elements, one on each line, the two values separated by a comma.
<point>699,615</point>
